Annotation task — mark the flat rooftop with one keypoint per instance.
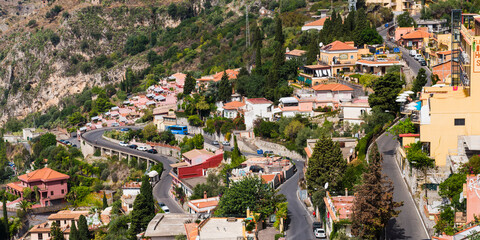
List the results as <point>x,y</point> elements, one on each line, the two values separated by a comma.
<point>220,228</point>
<point>168,225</point>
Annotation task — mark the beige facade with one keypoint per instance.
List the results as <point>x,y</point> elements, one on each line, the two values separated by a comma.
<point>449,112</point>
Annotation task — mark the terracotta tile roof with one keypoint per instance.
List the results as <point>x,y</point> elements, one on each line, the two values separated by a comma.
<point>132,184</point>
<point>233,105</point>
<point>259,101</point>
<point>44,174</point>
<point>199,204</point>
<point>40,228</point>
<point>196,153</point>
<point>296,52</point>
<point>318,22</point>
<point>444,52</point>
<point>307,150</point>
<point>16,186</point>
<point>332,87</point>
<point>231,73</point>
<point>338,46</point>
<point>409,135</point>
<point>268,177</point>
<point>416,35</point>
<point>192,230</point>
<point>67,215</point>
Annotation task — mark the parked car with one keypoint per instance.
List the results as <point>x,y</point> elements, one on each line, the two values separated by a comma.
<point>115,124</point>
<point>74,145</point>
<point>161,204</point>
<point>226,143</point>
<point>166,209</point>
<point>259,151</point>
<point>152,151</point>
<point>316,225</point>
<point>320,233</point>
<point>215,142</point>
<point>123,144</point>
<point>422,62</point>
<point>125,129</point>
<point>413,52</point>
<point>418,56</point>
<point>62,141</point>
<point>133,146</point>
<point>142,148</point>
<point>268,152</point>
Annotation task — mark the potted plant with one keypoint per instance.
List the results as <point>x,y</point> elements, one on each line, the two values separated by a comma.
<point>250,226</point>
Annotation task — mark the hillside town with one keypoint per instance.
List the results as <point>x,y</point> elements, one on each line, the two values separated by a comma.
<point>337,120</point>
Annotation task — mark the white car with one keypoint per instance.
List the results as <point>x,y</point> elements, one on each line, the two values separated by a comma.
<point>123,144</point>
<point>142,148</point>
<point>320,233</point>
<point>166,209</point>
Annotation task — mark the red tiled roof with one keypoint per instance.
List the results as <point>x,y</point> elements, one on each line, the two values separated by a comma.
<point>338,46</point>
<point>16,186</point>
<point>388,62</point>
<point>192,230</point>
<point>445,52</point>
<point>318,22</point>
<point>409,135</point>
<point>233,105</point>
<point>318,66</point>
<point>268,177</point>
<point>332,87</point>
<point>296,52</point>
<point>44,174</point>
<point>416,35</point>
<point>259,101</point>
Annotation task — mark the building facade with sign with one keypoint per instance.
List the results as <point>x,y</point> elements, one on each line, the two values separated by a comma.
<point>340,56</point>
<point>448,112</point>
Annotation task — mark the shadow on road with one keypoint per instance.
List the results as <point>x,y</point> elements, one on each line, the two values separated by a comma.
<point>394,231</point>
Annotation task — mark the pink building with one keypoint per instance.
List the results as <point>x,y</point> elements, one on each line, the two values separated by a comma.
<point>473,197</point>
<point>331,94</point>
<point>51,185</point>
<point>400,31</point>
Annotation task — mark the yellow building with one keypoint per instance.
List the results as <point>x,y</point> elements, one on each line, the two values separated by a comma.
<point>341,56</point>
<point>450,112</point>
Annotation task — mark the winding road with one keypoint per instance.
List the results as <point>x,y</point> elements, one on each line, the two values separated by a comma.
<point>160,190</point>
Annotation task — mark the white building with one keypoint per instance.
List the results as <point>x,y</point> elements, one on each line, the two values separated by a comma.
<point>257,108</point>
<point>130,191</point>
<point>353,111</point>
<point>332,94</point>
<point>291,106</point>
<point>233,109</point>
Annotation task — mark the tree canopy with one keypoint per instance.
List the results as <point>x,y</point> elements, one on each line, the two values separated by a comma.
<point>386,90</point>
<point>419,81</point>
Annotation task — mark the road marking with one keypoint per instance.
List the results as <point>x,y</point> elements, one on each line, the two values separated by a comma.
<point>411,197</point>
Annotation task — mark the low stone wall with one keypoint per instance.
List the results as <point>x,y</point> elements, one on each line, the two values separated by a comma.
<point>278,149</point>
<point>166,149</point>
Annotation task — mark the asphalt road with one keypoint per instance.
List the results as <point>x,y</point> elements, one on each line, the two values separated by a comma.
<point>411,62</point>
<point>408,224</point>
<point>160,190</point>
<point>299,223</point>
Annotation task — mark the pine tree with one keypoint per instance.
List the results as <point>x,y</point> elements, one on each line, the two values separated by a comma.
<point>105,204</point>
<point>326,165</point>
<point>419,81</point>
<point>236,151</point>
<point>74,234</point>
<point>189,84</point>
<point>224,89</point>
<point>373,206</point>
<point>361,24</point>
<point>56,232</point>
<point>350,23</point>
<point>83,232</point>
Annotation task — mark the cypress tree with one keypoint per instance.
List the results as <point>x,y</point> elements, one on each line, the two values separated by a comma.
<point>5,216</point>
<point>224,88</point>
<point>189,84</point>
<point>257,44</point>
<point>279,31</point>
<point>361,24</point>
<point>56,232</point>
<point>74,234</point>
<point>105,204</point>
<point>312,50</point>
<point>83,232</point>
<point>143,209</point>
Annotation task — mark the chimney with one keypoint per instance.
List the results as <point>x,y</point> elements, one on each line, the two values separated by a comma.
<point>205,194</point>
<point>346,192</point>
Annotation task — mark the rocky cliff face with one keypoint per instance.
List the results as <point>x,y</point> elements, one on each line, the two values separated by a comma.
<point>45,59</point>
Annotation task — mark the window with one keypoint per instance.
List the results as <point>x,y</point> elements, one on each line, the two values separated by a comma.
<point>40,236</point>
<point>51,192</point>
<point>459,121</point>
<point>362,111</point>
<point>130,205</point>
<point>351,56</point>
<point>62,182</point>
<point>63,191</point>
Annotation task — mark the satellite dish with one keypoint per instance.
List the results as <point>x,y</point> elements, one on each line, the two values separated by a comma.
<point>320,44</point>
<point>325,186</point>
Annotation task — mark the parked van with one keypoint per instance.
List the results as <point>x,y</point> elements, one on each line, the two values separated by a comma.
<point>413,52</point>
<point>418,57</point>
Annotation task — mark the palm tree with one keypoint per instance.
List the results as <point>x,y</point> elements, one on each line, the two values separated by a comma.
<point>25,206</point>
